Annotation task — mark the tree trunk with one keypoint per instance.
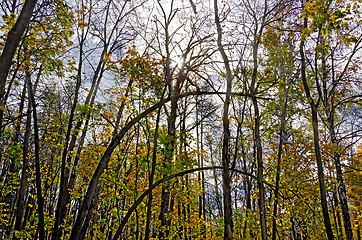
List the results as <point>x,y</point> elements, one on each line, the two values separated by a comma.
<point>317,150</point>
<point>228,221</point>
<point>40,200</point>
<point>279,158</point>
<point>330,111</point>
<point>342,192</point>
<point>257,138</point>
<point>166,195</point>
<point>152,174</point>
<point>259,159</point>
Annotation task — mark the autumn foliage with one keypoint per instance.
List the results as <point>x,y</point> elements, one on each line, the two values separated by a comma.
<point>180,119</point>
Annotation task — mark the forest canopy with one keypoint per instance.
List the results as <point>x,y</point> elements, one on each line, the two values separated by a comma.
<point>184,119</point>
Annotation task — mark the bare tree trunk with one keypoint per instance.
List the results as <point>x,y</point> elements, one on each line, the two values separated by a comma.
<point>257,138</point>
<point>228,221</point>
<point>216,182</point>
<point>248,184</point>
<point>72,145</point>
<point>67,178</point>
<point>89,215</point>
<point>174,91</point>
<point>343,197</point>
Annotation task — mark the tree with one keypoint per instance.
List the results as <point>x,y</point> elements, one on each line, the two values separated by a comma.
<point>228,223</point>
<point>313,107</point>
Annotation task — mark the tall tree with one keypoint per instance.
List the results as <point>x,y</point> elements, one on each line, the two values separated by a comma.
<point>313,107</point>
<point>228,221</point>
